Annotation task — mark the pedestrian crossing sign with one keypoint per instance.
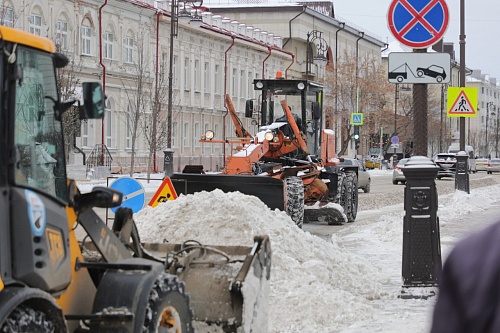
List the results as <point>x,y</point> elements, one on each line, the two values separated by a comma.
<point>357,118</point>
<point>462,102</point>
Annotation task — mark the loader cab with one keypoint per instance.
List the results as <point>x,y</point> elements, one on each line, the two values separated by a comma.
<point>32,112</point>
<point>305,99</point>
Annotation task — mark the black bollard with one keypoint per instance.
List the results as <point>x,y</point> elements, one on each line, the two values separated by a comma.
<point>168,162</point>
<point>462,173</point>
<point>421,244</point>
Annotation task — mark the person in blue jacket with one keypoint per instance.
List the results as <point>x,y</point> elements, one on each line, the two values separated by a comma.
<point>469,290</point>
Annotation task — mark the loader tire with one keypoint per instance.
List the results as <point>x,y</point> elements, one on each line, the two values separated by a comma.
<point>168,307</point>
<point>349,195</point>
<point>24,319</point>
<point>294,200</point>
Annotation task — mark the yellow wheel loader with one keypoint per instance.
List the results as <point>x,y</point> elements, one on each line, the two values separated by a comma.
<point>52,281</point>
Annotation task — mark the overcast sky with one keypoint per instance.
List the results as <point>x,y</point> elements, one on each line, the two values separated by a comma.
<point>482,27</point>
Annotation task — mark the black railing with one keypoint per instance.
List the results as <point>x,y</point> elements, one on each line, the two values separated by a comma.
<point>100,156</point>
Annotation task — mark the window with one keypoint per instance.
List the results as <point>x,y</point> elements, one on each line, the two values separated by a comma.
<point>128,130</point>
<point>108,123</point>
<point>187,76</point>
<point>85,133</point>
<point>86,35</point>
<point>62,34</point>
<point>185,135</point>
<point>242,84</point>
<point>174,134</point>
<point>38,136</point>
<point>35,24</point>
<point>249,85</point>
<point>217,75</point>
<point>234,84</point>
<point>164,67</point>
<point>206,77</point>
<point>107,39</point>
<point>128,44</point>
<point>196,135</point>
<point>175,74</point>
<point>216,131</point>
<point>197,75</point>
<point>6,16</point>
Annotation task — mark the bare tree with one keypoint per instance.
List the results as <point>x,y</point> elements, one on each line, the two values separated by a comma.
<point>138,91</point>
<point>361,87</point>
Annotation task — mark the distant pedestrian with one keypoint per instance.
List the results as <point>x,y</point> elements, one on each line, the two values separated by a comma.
<point>469,290</point>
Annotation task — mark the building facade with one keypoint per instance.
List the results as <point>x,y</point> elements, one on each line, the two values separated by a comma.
<point>126,46</point>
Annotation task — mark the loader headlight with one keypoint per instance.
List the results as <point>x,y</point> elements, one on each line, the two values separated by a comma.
<point>269,136</point>
<point>259,84</point>
<point>209,135</point>
<point>301,86</point>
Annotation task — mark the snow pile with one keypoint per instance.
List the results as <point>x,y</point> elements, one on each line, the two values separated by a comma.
<point>309,276</point>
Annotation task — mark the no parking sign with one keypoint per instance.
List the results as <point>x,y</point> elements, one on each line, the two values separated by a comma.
<point>418,23</point>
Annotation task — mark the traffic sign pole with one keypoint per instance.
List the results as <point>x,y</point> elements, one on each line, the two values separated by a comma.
<point>418,24</point>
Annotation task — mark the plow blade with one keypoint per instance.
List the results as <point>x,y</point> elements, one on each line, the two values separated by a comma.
<point>330,215</point>
<point>227,285</point>
<point>269,190</point>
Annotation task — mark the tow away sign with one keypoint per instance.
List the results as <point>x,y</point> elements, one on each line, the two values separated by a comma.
<point>412,67</point>
<point>462,102</point>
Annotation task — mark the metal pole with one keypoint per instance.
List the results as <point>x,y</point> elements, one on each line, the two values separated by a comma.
<point>462,174</point>
<point>396,97</point>
<point>173,33</point>
<point>487,120</point>
<point>462,68</point>
<point>307,56</point>
<point>336,81</point>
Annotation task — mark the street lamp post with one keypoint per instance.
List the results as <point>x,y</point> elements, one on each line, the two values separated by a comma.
<point>487,125</point>
<point>174,29</point>
<point>315,37</point>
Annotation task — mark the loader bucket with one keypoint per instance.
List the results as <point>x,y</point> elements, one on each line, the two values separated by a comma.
<point>269,190</point>
<point>227,285</point>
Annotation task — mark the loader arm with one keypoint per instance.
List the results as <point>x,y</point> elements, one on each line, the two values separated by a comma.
<point>240,131</point>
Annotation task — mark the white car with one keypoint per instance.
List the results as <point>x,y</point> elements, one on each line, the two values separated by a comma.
<point>493,166</point>
<point>397,172</point>
<point>481,164</point>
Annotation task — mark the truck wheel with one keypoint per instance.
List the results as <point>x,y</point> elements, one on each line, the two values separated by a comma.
<point>350,196</point>
<point>294,200</point>
<point>24,319</point>
<point>168,307</point>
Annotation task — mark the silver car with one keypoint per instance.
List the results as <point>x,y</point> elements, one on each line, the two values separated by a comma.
<point>364,179</point>
<point>397,172</point>
<point>481,164</point>
<point>493,166</point>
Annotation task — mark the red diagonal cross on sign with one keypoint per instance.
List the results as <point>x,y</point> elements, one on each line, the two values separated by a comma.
<point>418,17</point>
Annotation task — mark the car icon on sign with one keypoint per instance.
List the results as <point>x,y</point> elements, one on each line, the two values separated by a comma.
<point>434,71</point>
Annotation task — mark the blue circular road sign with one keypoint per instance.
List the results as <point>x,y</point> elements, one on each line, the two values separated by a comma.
<point>418,23</point>
<point>395,139</point>
<point>133,193</point>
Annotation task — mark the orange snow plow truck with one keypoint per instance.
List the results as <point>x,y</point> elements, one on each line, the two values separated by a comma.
<point>53,281</point>
<point>290,164</point>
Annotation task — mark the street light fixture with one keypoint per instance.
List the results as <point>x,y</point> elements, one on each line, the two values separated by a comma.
<point>320,55</point>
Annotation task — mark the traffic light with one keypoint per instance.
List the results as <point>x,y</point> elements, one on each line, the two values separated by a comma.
<point>356,133</point>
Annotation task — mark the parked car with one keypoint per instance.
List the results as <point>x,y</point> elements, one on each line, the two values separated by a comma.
<point>481,164</point>
<point>493,166</point>
<point>447,163</point>
<point>364,179</point>
<point>397,172</point>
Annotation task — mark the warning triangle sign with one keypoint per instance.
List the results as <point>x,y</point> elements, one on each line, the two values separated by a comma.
<point>461,105</point>
<point>165,192</point>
